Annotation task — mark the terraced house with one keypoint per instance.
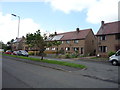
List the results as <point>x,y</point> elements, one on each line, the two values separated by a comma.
<point>82,41</point>
<point>108,38</point>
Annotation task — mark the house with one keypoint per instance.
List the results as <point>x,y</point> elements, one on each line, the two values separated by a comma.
<point>108,38</point>
<point>82,41</point>
<point>18,44</point>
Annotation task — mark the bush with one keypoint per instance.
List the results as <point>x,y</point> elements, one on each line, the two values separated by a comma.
<point>31,53</point>
<point>111,53</point>
<point>61,51</point>
<point>74,55</point>
<point>67,55</point>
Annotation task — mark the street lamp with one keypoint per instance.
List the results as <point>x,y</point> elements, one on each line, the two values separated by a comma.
<point>18,22</point>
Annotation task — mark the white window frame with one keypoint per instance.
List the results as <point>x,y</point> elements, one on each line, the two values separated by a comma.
<point>53,49</point>
<point>47,48</point>
<point>76,41</point>
<point>67,42</point>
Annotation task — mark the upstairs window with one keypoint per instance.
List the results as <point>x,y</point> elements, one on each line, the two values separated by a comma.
<point>117,36</point>
<point>67,42</point>
<point>103,37</point>
<point>75,41</point>
<point>62,42</point>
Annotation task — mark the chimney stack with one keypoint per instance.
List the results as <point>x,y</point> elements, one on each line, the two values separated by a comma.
<point>77,29</point>
<point>55,33</point>
<point>102,23</point>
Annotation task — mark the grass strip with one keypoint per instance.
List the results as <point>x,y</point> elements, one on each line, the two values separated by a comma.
<point>50,61</point>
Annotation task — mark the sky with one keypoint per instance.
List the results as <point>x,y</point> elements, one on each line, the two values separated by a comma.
<point>54,15</point>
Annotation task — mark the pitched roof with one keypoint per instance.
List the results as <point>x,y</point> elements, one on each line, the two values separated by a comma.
<point>17,40</point>
<point>109,28</point>
<point>81,34</point>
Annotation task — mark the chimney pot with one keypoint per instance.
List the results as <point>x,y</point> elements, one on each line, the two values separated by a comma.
<point>77,29</point>
<point>102,23</point>
<point>55,33</point>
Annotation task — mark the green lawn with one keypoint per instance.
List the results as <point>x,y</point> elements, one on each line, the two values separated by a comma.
<point>50,61</point>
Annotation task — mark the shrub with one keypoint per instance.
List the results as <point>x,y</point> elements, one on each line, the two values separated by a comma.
<point>111,53</point>
<point>67,55</point>
<point>31,53</point>
<point>74,55</point>
<point>61,51</point>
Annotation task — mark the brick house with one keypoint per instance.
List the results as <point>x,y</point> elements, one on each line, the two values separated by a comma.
<point>18,44</point>
<point>108,38</point>
<point>82,41</point>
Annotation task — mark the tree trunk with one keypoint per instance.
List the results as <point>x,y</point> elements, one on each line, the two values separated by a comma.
<point>42,57</point>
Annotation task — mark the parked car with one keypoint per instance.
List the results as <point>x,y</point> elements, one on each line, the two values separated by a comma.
<point>8,52</point>
<point>22,53</point>
<point>115,59</point>
<point>14,53</point>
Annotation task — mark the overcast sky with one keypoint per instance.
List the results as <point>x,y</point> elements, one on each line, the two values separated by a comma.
<point>54,15</point>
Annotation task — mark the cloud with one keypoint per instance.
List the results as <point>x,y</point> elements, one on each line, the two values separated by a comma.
<point>106,10</point>
<point>70,5</point>
<point>97,10</point>
<point>9,27</point>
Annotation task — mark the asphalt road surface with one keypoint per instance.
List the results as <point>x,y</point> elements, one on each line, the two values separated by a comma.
<point>17,74</point>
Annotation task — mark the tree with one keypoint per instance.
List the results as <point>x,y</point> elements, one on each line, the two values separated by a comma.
<point>3,46</point>
<point>56,43</point>
<point>36,40</point>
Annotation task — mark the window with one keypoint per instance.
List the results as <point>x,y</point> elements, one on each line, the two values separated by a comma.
<point>67,42</point>
<point>75,41</point>
<point>67,49</point>
<point>76,49</point>
<point>47,48</point>
<point>103,37</point>
<point>117,36</point>
<point>53,48</point>
<point>82,50</point>
<point>103,48</point>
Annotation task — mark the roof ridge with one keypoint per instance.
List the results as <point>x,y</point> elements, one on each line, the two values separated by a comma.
<point>112,22</point>
<point>74,31</point>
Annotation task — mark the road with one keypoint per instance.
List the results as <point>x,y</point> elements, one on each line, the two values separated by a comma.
<point>17,74</point>
<point>95,69</point>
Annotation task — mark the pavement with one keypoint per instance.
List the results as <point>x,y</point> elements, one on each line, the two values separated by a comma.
<point>97,70</point>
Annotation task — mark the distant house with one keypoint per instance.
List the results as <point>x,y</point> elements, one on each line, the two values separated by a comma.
<point>18,44</point>
<point>108,38</point>
<point>82,41</point>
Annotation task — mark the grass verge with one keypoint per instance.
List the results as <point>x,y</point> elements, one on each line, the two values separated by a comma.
<point>50,61</point>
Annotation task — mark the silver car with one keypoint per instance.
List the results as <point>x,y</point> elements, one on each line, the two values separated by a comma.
<point>115,59</point>
<point>22,53</point>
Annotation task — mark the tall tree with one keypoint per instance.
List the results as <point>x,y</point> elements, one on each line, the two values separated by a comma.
<point>36,41</point>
